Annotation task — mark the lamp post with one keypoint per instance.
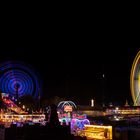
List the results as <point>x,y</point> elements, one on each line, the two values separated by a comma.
<point>103,78</point>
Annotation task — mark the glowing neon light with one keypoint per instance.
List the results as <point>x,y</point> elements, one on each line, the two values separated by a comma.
<point>134,80</point>
<point>16,78</point>
<point>79,124</point>
<point>68,108</point>
<point>66,103</point>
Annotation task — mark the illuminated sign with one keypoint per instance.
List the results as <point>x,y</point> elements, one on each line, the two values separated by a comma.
<point>68,108</point>
<point>77,116</point>
<point>96,132</point>
<point>74,116</point>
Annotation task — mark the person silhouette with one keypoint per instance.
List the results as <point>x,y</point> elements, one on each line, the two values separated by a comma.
<point>53,115</point>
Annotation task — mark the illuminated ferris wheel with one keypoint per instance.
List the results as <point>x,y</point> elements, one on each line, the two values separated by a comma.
<point>18,79</point>
<point>135,80</point>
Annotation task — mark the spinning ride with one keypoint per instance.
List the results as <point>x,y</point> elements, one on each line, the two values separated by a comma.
<point>135,80</point>
<point>18,79</point>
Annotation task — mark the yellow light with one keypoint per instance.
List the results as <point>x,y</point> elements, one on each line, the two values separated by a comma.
<point>98,126</point>
<point>139,81</point>
<point>132,75</point>
<point>96,132</point>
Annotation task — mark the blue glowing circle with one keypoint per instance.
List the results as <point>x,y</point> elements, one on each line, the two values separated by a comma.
<point>19,78</point>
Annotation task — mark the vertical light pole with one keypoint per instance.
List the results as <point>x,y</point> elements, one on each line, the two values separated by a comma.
<point>103,78</point>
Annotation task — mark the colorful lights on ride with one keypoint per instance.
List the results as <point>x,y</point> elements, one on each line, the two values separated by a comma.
<point>99,132</point>
<point>77,121</point>
<point>63,105</point>
<point>78,124</point>
<point>135,80</point>
<point>18,79</point>
<point>65,109</point>
<point>67,116</point>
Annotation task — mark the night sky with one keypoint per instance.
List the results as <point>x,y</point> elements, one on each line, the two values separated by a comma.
<point>77,74</point>
<point>71,52</point>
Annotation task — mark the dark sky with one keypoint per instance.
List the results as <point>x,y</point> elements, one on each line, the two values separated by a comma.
<point>71,51</point>
<point>76,73</point>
